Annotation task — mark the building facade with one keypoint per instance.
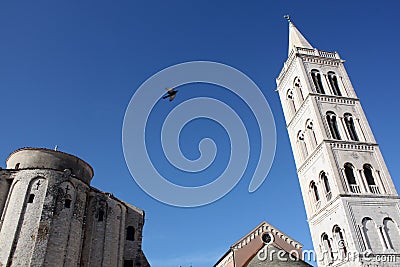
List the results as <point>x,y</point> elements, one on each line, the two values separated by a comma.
<point>51,216</point>
<point>349,196</point>
<point>265,245</point>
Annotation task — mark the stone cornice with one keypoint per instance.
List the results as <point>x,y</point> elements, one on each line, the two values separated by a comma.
<point>323,98</point>
<point>337,144</point>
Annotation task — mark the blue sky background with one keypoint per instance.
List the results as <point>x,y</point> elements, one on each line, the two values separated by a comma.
<point>69,68</point>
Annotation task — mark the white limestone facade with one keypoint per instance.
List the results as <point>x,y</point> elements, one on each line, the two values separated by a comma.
<point>350,200</point>
<point>51,216</point>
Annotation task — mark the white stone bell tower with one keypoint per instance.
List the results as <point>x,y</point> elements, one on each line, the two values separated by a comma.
<point>351,203</point>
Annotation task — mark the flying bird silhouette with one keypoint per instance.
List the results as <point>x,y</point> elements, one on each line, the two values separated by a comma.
<point>171,93</point>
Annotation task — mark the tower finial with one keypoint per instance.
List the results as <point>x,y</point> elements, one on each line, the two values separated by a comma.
<point>287,17</point>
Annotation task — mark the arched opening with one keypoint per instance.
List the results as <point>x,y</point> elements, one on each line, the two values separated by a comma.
<point>348,119</point>
<point>315,195</point>
<point>351,179</point>
<point>302,145</point>
<point>333,81</point>
<point>392,234</point>
<point>327,247</point>
<point>339,239</point>
<point>311,134</point>
<point>17,166</point>
<point>316,77</point>
<point>297,86</point>
<point>368,173</point>
<point>372,237</point>
<point>332,124</point>
<point>130,233</point>
<point>290,100</point>
<point>327,187</point>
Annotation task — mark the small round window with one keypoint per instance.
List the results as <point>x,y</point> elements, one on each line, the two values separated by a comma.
<point>267,238</point>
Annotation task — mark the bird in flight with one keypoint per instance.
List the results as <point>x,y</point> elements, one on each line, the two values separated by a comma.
<point>171,93</point>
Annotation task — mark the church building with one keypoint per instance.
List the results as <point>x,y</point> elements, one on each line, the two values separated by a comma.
<point>51,216</point>
<point>265,245</point>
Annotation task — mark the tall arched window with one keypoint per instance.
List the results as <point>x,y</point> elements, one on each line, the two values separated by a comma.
<point>297,86</point>
<point>392,233</point>
<point>327,247</point>
<point>372,237</point>
<point>327,187</point>
<point>311,134</point>
<point>290,100</point>
<point>315,195</point>
<point>348,119</point>
<point>302,145</point>
<point>332,123</point>
<point>333,81</point>
<point>314,190</point>
<point>351,179</point>
<point>339,240</point>
<point>316,77</point>
<point>368,173</point>
<point>130,233</point>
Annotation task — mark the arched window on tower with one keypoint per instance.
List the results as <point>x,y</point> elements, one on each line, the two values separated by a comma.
<point>349,121</point>
<point>298,88</point>
<point>130,233</point>
<point>339,240</point>
<point>373,238</point>
<point>290,102</point>
<point>316,77</point>
<point>392,234</point>
<point>332,123</point>
<point>301,144</point>
<point>311,134</point>
<point>333,81</point>
<point>368,173</point>
<point>315,195</point>
<point>351,179</point>
<point>327,187</point>
<point>327,248</point>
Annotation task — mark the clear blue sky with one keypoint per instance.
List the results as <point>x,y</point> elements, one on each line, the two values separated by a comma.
<point>69,68</point>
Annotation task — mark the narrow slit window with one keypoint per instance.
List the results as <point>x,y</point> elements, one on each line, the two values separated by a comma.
<point>67,203</point>
<point>31,198</point>
<point>130,233</point>
<point>128,263</point>
<point>101,215</point>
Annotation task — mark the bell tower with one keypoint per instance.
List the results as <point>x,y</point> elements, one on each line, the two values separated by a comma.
<point>350,200</point>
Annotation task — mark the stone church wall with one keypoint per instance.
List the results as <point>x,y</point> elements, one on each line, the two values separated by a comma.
<point>52,217</point>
